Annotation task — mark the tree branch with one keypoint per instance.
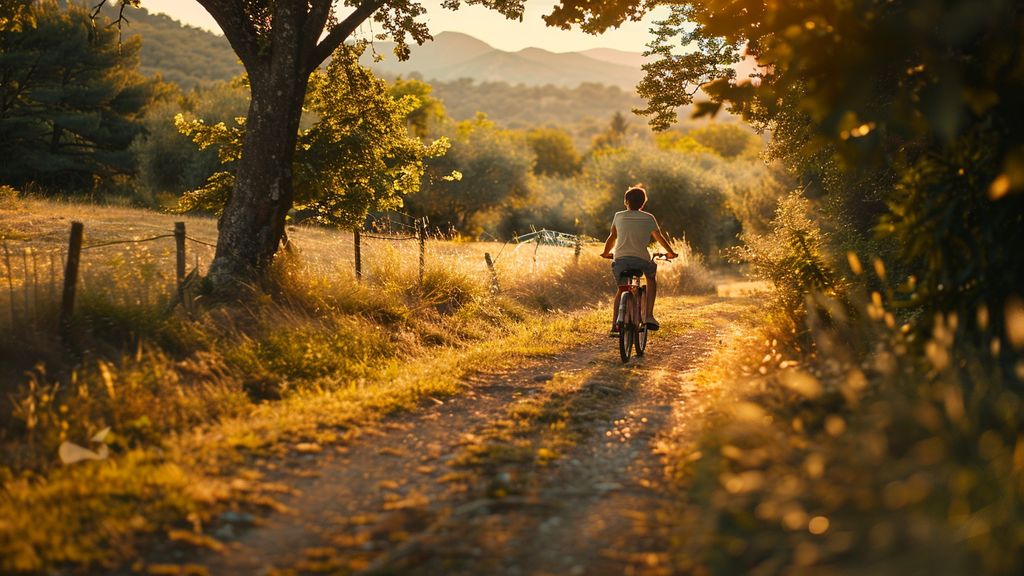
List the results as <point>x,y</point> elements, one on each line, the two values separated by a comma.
<point>341,31</point>
<point>312,27</point>
<point>237,28</point>
<point>120,13</point>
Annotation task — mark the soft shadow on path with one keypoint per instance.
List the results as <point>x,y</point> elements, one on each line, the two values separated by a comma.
<point>400,498</point>
<point>603,509</point>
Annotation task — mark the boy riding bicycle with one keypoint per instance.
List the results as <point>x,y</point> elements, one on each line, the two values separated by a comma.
<point>632,231</point>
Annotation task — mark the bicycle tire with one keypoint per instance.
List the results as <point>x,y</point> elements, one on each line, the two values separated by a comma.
<point>627,329</point>
<point>641,322</point>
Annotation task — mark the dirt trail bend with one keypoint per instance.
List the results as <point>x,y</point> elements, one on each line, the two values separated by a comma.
<point>552,468</point>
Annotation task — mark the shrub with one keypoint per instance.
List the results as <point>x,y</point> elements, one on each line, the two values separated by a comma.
<point>8,198</point>
<point>687,194</point>
<point>793,257</point>
<point>685,275</point>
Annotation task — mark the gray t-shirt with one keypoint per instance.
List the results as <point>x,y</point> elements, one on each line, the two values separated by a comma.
<point>633,233</point>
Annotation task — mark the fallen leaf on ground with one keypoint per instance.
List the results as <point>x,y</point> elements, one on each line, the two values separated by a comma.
<point>71,453</point>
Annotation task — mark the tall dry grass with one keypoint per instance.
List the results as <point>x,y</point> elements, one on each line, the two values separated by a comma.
<point>155,376</point>
<point>315,327</point>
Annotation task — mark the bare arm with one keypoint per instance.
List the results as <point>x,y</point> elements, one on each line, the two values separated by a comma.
<point>610,243</point>
<point>664,243</point>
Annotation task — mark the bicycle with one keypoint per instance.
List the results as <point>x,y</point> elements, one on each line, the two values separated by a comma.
<point>631,320</point>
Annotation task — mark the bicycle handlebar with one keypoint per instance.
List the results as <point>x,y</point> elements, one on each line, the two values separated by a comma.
<point>656,256</point>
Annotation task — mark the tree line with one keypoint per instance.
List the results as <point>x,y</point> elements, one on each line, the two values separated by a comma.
<point>365,144</point>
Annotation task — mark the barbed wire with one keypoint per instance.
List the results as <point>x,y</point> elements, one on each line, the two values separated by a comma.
<point>132,241</point>
<point>387,223</point>
<point>385,237</point>
<point>203,242</point>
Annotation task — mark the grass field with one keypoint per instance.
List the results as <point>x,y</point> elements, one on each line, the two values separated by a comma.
<point>189,398</point>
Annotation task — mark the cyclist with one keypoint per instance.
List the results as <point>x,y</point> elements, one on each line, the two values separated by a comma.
<point>632,231</point>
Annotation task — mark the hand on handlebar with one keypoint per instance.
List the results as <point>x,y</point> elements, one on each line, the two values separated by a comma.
<point>608,255</point>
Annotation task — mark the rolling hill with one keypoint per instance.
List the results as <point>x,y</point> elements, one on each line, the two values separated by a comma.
<point>520,89</point>
<point>181,54</point>
<point>174,51</point>
<point>454,56</point>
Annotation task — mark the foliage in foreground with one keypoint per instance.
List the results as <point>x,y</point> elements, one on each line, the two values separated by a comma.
<point>902,118</point>
<point>849,440</point>
<point>853,459</point>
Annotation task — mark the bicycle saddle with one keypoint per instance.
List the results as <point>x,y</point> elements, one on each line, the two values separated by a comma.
<point>632,273</point>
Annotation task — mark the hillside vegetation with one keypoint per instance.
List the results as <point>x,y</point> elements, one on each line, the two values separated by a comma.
<point>583,109</point>
<point>544,90</point>
<point>183,55</point>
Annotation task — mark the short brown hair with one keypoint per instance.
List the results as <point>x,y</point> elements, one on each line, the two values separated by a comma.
<point>636,197</point>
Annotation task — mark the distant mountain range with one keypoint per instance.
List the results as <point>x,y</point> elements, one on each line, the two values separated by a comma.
<point>175,51</point>
<point>532,87</point>
<point>453,56</point>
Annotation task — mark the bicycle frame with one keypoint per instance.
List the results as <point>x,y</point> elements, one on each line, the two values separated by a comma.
<point>631,315</point>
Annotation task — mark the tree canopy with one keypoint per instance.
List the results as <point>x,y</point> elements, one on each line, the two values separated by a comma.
<point>555,152</point>
<point>495,165</point>
<point>356,157</point>
<point>429,110</point>
<point>905,109</point>
<point>71,98</point>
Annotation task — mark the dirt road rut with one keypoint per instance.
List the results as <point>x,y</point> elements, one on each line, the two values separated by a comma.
<point>552,468</point>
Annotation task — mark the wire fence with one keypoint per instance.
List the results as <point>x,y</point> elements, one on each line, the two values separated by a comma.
<point>43,283</point>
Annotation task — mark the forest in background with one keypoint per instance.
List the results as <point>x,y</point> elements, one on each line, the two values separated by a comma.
<point>529,157</point>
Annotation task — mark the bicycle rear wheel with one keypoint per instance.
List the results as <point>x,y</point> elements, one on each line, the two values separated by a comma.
<point>641,322</point>
<point>627,327</point>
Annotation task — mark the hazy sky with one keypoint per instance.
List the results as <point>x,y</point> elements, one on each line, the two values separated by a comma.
<point>480,22</point>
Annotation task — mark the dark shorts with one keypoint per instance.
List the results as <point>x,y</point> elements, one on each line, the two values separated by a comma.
<point>620,265</point>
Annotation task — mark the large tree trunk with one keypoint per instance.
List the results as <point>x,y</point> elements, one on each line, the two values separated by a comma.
<point>252,225</point>
<point>279,60</point>
<point>253,220</point>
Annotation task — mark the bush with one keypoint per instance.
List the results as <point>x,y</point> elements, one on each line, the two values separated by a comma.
<point>881,449</point>
<point>9,199</point>
<point>686,274</point>
<point>687,194</point>
<point>793,257</point>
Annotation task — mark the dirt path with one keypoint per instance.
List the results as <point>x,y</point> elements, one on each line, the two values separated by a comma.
<point>553,468</point>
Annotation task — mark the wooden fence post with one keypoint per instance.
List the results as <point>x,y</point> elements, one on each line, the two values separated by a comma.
<point>67,302</point>
<point>494,274</point>
<point>10,284</point>
<point>358,256</point>
<point>179,242</point>
<point>421,236</point>
<point>25,284</point>
<point>577,248</point>
<point>35,288</point>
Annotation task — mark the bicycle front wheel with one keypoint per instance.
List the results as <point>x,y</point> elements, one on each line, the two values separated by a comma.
<point>641,322</point>
<point>627,328</point>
